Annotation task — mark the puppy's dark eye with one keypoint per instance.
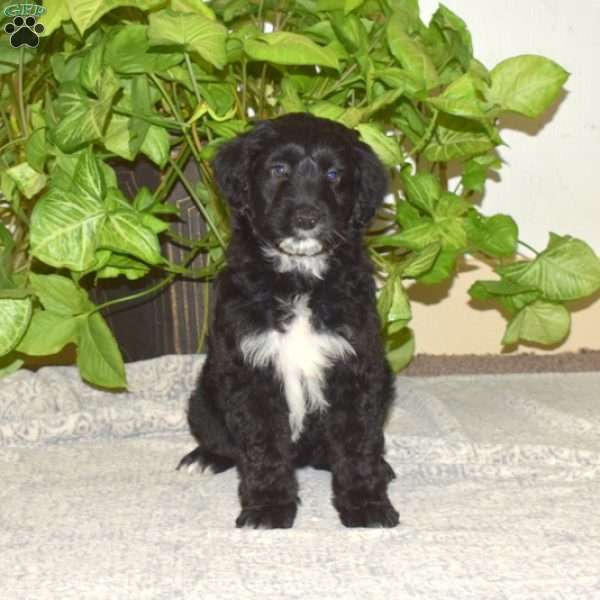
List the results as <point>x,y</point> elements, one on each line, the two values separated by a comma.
<point>332,175</point>
<point>279,170</point>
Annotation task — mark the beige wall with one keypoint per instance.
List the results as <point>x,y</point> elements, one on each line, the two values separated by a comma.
<point>445,322</point>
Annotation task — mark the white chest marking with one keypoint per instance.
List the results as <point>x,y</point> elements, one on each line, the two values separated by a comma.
<point>314,265</point>
<point>300,356</point>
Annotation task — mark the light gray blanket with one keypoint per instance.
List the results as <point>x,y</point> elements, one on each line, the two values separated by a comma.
<point>498,490</point>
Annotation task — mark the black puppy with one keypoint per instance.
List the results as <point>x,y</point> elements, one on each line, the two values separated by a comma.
<point>296,373</point>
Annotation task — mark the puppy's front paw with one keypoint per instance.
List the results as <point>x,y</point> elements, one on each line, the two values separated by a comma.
<point>370,514</point>
<point>268,517</point>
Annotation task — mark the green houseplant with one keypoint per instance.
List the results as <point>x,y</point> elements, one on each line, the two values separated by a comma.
<point>174,79</point>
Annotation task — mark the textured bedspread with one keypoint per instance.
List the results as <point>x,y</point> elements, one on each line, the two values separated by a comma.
<point>498,491</point>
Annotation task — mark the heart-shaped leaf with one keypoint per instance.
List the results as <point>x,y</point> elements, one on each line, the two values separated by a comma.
<point>567,270</point>
<point>285,48</point>
<point>540,322</point>
<point>15,315</point>
<point>527,84</point>
<point>98,356</point>
<point>194,32</point>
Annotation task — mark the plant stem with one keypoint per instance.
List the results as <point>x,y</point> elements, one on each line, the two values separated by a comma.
<point>166,96</point>
<point>151,290</point>
<point>528,247</point>
<point>208,180</point>
<point>175,112</point>
<point>205,171</point>
<point>12,142</point>
<point>204,329</point>
<point>149,119</point>
<point>385,9</point>
<point>185,241</point>
<point>16,293</point>
<point>201,165</point>
<point>443,169</point>
<point>261,93</point>
<point>283,23</point>
<point>155,288</point>
<point>200,273</point>
<point>353,66</point>
<point>31,86</point>
<point>195,137</point>
<point>20,95</point>
<point>168,180</point>
<point>188,63</point>
<point>7,125</point>
<point>378,260</point>
<point>244,89</point>
<point>201,207</point>
<point>18,211</point>
<point>322,88</point>
<point>341,80</point>
<point>426,136</point>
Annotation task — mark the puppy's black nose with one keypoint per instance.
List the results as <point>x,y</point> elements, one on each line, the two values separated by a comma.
<point>305,219</point>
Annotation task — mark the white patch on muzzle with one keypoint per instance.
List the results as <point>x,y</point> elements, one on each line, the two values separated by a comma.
<point>314,265</point>
<point>301,357</point>
<point>301,246</point>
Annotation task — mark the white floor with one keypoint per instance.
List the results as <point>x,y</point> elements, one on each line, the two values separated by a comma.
<point>498,489</point>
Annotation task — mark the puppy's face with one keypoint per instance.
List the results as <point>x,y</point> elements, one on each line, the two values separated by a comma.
<point>301,193</point>
<point>304,182</point>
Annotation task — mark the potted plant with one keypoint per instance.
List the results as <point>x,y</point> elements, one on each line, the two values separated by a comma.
<point>173,79</point>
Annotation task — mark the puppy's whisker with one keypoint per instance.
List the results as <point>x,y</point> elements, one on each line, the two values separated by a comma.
<point>341,237</point>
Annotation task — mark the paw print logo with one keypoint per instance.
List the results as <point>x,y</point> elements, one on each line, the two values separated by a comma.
<point>24,32</point>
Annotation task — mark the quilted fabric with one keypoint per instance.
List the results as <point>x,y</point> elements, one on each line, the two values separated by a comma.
<point>498,487</point>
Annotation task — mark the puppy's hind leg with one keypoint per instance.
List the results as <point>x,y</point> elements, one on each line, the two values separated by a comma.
<point>215,450</point>
<point>206,460</point>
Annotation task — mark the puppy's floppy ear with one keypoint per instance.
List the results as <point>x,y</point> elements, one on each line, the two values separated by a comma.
<point>231,168</point>
<point>372,184</point>
<point>232,164</point>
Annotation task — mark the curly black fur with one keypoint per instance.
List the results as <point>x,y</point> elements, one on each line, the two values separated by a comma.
<point>297,178</point>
